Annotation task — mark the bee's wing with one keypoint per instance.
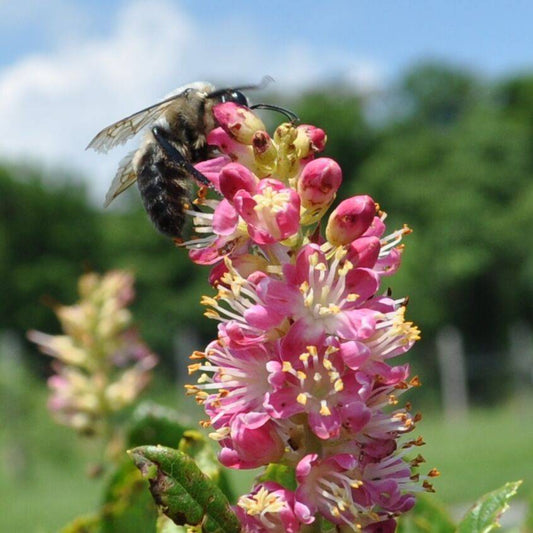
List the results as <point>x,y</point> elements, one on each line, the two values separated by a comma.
<point>124,178</point>
<point>119,132</point>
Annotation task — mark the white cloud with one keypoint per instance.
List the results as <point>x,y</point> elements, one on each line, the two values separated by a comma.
<point>51,105</point>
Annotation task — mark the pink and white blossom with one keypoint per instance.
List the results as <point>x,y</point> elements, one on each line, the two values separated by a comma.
<point>303,371</point>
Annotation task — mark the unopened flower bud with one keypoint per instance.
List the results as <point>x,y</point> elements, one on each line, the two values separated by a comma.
<point>255,442</point>
<point>238,121</point>
<point>235,177</point>
<point>285,134</point>
<point>350,220</point>
<point>319,182</point>
<point>364,252</point>
<point>312,138</point>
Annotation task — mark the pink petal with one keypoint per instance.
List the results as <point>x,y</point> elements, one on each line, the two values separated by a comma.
<point>362,281</point>
<point>358,324</point>
<point>211,168</point>
<point>376,229</point>
<point>235,177</point>
<point>355,416</point>
<point>354,354</point>
<point>282,404</point>
<point>225,218</point>
<point>325,427</point>
<point>364,252</point>
<point>229,146</point>
<point>262,317</point>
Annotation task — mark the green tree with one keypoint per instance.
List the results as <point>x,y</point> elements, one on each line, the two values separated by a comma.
<point>466,191</point>
<point>340,112</point>
<point>438,94</point>
<point>49,234</point>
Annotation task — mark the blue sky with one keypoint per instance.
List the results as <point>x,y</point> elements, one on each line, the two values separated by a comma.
<point>74,66</point>
<point>493,36</point>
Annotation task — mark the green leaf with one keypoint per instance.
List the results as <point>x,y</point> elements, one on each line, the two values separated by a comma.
<point>184,493</point>
<point>484,515</point>
<point>428,516</point>
<point>195,445</point>
<point>155,424</point>
<point>282,474</point>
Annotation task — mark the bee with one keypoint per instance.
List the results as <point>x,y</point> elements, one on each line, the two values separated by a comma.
<point>176,139</point>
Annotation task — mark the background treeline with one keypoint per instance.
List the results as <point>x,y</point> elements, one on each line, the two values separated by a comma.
<point>442,150</point>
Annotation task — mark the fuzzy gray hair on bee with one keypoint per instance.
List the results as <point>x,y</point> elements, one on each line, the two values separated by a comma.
<point>162,166</point>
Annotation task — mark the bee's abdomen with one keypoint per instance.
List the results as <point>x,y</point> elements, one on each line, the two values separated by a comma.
<point>164,191</point>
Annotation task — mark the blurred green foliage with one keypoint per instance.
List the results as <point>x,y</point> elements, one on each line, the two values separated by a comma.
<point>442,150</point>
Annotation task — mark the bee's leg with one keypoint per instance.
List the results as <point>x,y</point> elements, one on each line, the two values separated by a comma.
<point>175,155</point>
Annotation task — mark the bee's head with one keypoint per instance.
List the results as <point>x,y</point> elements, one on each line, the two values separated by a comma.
<point>229,95</point>
<point>236,96</point>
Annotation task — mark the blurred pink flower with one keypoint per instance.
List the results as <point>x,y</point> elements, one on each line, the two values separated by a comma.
<point>101,363</point>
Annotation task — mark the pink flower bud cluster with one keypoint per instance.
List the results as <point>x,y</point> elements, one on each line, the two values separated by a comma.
<point>301,372</point>
<point>101,364</point>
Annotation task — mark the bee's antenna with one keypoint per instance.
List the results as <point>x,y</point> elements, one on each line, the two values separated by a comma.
<point>293,117</point>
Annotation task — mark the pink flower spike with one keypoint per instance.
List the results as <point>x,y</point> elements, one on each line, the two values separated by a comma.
<point>238,121</point>
<point>350,219</point>
<point>303,371</point>
<point>319,181</point>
